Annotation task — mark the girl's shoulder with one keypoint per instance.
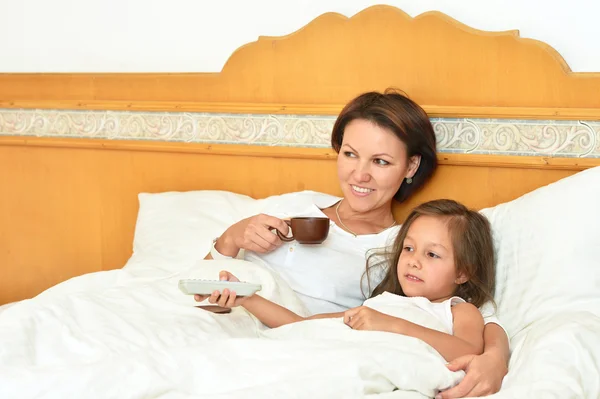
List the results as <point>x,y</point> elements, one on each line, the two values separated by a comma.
<point>464,309</point>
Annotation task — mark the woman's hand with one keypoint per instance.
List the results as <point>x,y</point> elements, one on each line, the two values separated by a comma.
<point>225,299</point>
<point>253,234</point>
<point>484,375</point>
<point>365,318</point>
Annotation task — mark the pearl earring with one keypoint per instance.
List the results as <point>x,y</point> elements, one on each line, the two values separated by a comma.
<point>408,180</point>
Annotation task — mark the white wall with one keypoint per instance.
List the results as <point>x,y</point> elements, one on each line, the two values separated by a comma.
<point>199,35</point>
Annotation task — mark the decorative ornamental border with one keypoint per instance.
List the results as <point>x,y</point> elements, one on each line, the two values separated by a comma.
<point>477,136</point>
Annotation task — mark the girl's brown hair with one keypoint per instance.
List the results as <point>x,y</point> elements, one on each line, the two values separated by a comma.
<point>472,244</point>
<point>406,119</point>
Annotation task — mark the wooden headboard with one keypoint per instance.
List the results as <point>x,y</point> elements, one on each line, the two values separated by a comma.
<point>69,200</point>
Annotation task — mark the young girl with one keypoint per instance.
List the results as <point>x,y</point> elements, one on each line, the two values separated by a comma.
<point>444,261</point>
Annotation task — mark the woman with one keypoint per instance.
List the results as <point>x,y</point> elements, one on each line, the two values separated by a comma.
<point>386,150</point>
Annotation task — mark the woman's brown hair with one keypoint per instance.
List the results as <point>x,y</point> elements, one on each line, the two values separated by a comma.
<point>472,244</point>
<point>406,119</point>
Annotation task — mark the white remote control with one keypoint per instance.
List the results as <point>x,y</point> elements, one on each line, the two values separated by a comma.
<point>207,287</point>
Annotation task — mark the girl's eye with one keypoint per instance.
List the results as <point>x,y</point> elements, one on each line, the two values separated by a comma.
<point>350,154</point>
<point>432,255</point>
<point>407,249</point>
<point>381,162</point>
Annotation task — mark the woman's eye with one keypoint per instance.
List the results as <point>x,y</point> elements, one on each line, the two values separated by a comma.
<point>432,255</point>
<point>381,161</point>
<point>349,154</point>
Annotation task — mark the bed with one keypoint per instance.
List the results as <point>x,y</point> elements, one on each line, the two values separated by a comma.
<point>115,184</point>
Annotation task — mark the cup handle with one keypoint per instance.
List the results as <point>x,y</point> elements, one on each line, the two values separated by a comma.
<point>284,238</point>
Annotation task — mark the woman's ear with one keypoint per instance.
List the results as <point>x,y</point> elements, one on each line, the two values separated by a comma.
<point>413,165</point>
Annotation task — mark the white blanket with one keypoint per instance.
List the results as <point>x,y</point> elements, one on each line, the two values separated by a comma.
<point>119,335</point>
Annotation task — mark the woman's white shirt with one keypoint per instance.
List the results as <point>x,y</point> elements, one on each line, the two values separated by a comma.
<point>326,276</point>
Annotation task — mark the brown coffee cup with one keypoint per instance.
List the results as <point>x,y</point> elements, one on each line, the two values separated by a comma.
<point>307,230</point>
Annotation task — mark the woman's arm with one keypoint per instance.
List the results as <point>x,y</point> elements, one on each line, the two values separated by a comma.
<point>485,372</point>
<point>468,329</point>
<point>253,233</point>
<point>223,249</point>
<point>226,244</point>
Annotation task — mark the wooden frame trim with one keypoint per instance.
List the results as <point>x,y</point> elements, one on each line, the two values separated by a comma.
<point>434,111</point>
<point>504,161</point>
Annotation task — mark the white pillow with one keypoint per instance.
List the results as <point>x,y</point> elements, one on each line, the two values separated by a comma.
<point>548,251</point>
<point>177,228</point>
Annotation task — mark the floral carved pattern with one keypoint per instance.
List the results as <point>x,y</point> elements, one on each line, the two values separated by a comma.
<point>478,136</point>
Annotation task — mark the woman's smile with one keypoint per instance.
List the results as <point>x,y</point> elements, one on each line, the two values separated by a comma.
<point>361,191</point>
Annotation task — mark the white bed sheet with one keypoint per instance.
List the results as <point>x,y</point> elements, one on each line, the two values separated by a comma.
<point>121,335</point>
<point>127,334</point>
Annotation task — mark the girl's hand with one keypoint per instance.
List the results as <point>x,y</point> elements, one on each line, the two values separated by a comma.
<point>253,234</point>
<point>484,375</point>
<point>225,299</point>
<point>365,318</point>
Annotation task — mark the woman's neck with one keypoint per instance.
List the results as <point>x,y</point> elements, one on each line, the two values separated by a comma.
<point>382,213</point>
<point>371,222</point>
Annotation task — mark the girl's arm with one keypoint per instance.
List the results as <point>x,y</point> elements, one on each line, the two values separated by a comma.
<point>269,313</point>
<point>273,315</point>
<point>467,338</point>
<point>468,329</point>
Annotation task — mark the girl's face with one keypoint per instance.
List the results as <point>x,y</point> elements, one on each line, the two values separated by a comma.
<point>426,265</point>
<point>372,163</point>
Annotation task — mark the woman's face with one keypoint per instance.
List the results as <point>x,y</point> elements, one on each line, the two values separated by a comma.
<point>372,163</point>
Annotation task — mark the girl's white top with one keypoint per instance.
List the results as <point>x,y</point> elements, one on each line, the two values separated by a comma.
<point>418,310</point>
